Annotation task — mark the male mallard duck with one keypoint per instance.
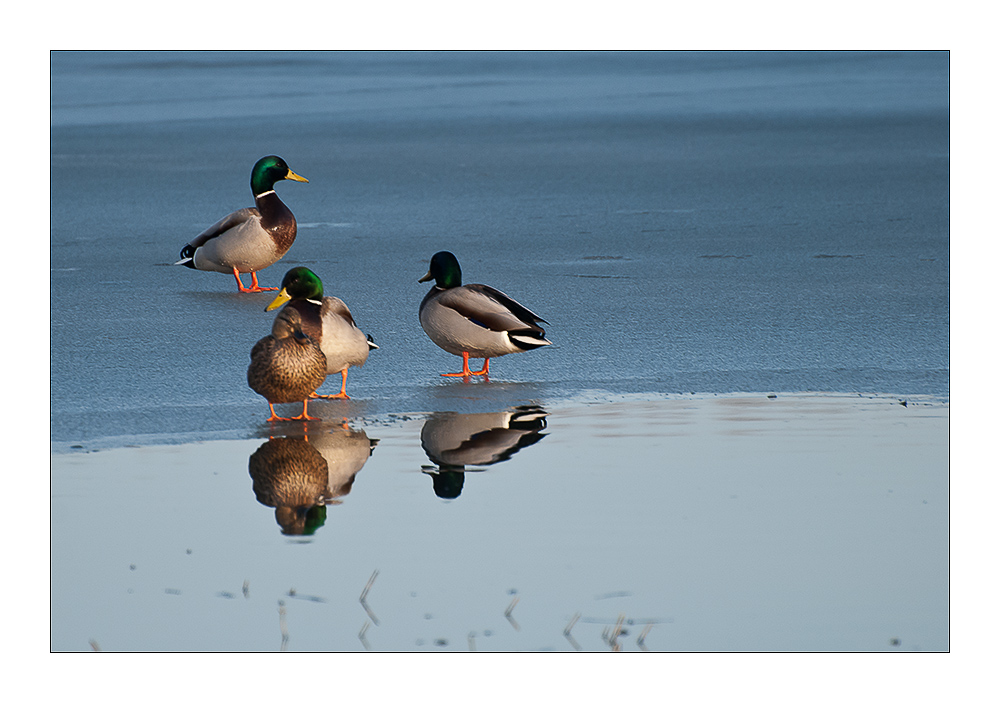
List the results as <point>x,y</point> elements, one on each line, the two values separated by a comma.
<point>328,321</point>
<point>287,365</point>
<point>455,440</point>
<point>474,320</point>
<point>346,451</point>
<point>250,239</point>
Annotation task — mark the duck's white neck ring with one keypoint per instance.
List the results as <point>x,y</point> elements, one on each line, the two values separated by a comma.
<point>261,195</point>
<point>315,302</point>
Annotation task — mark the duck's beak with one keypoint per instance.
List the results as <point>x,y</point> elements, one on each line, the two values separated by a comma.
<point>426,278</point>
<point>292,176</point>
<point>279,300</point>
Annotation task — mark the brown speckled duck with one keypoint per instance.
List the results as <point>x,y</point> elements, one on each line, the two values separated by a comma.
<point>292,477</point>
<point>252,238</point>
<point>287,365</point>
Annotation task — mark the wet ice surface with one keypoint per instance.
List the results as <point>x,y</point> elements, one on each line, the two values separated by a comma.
<point>727,226</point>
<point>681,229</point>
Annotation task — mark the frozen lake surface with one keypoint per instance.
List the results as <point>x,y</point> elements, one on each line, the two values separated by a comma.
<point>706,223</point>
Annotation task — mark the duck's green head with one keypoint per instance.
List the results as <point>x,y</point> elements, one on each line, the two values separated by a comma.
<point>444,270</point>
<point>298,284</point>
<point>269,171</point>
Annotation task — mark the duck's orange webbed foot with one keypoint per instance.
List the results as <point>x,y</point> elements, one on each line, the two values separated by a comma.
<point>254,286</point>
<point>343,390</point>
<point>274,416</point>
<point>305,412</point>
<point>466,372</point>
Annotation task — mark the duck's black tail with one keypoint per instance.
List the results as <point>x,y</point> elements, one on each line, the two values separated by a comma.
<point>528,338</point>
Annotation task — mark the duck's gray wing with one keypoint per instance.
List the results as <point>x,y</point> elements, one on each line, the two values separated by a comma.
<point>231,220</point>
<point>490,308</point>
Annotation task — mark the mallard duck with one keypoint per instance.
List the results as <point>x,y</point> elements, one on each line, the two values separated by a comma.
<point>250,239</point>
<point>287,365</point>
<point>455,440</point>
<point>292,477</point>
<point>328,321</point>
<point>346,451</point>
<point>474,320</point>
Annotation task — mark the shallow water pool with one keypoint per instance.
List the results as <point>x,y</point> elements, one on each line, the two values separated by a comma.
<point>726,523</point>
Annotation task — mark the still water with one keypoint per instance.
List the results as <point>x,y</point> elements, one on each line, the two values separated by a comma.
<point>718,524</point>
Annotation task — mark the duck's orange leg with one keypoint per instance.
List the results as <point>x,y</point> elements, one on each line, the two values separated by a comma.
<point>254,286</point>
<point>305,412</point>
<point>343,389</point>
<point>274,415</point>
<point>466,372</point>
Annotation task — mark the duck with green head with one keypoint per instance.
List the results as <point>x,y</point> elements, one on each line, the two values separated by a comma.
<point>327,320</point>
<point>287,366</point>
<point>475,320</point>
<point>252,238</point>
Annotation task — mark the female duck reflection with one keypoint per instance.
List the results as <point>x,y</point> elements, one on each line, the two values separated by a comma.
<point>456,440</point>
<point>300,477</point>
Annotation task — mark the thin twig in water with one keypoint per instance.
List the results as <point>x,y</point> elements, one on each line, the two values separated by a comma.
<point>510,618</point>
<point>246,588</point>
<point>472,641</point>
<point>615,633</point>
<point>93,645</point>
<point>364,595</point>
<point>566,632</point>
<point>283,625</point>
<point>361,636</point>
<point>368,586</point>
<point>569,625</point>
<point>641,640</point>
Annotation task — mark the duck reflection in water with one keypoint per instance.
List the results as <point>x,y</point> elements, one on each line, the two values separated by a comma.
<point>346,452</point>
<point>299,477</point>
<point>454,441</point>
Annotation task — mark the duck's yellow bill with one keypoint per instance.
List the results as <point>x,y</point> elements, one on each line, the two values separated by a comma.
<point>279,300</point>
<point>292,176</point>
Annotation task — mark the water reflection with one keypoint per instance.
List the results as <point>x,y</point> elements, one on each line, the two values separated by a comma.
<point>299,477</point>
<point>346,452</point>
<point>455,441</point>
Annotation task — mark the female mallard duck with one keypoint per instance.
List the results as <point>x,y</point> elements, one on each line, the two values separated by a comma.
<point>287,365</point>
<point>474,320</point>
<point>292,477</point>
<point>328,321</point>
<point>250,239</point>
